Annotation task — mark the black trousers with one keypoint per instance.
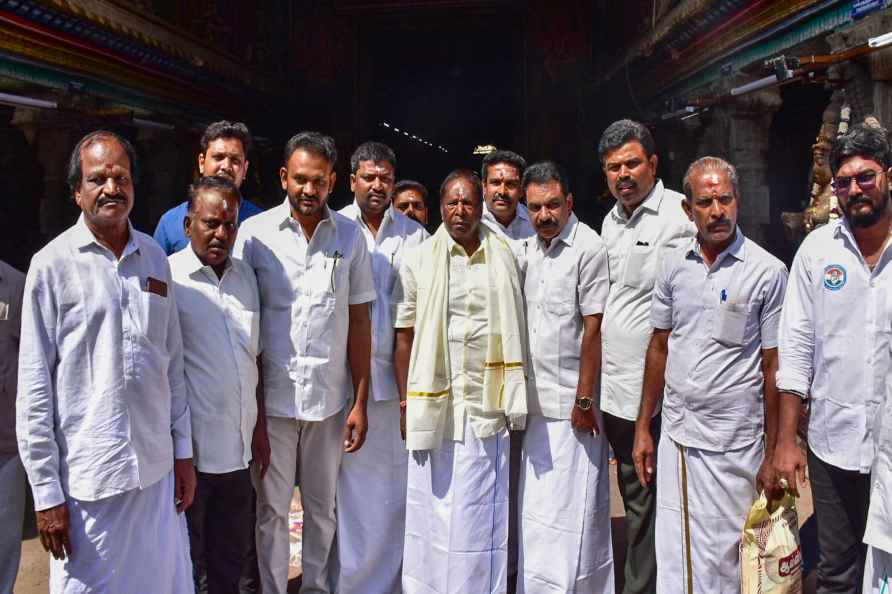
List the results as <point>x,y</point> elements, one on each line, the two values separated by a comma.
<point>640,503</point>
<point>841,499</point>
<point>221,530</point>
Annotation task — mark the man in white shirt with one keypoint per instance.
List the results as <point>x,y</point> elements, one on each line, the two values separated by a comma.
<point>711,361</point>
<point>501,174</point>
<point>372,483</point>
<point>460,363</point>
<point>564,487</point>
<point>834,353</point>
<point>12,476</point>
<point>102,419</point>
<point>219,308</point>
<point>315,279</point>
<point>646,222</point>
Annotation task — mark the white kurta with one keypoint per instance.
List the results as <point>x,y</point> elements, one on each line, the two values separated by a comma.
<point>721,488</point>
<point>564,510</point>
<point>135,542</point>
<point>457,517</point>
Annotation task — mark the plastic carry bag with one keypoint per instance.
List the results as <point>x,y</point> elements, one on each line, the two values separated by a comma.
<point>770,555</point>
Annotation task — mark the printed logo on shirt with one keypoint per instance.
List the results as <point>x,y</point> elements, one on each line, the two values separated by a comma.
<point>834,277</point>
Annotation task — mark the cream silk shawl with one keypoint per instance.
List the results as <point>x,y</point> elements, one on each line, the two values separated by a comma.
<point>429,388</point>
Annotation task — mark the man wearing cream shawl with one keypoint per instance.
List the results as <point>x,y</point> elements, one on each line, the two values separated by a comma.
<point>460,365</point>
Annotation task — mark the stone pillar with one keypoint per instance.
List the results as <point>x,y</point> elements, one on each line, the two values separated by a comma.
<point>739,131</point>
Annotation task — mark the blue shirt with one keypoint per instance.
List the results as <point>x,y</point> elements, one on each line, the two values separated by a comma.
<point>170,234</point>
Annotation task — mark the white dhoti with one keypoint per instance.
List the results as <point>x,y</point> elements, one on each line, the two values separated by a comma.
<point>564,511</point>
<point>720,489</point>
<point>878,571</point>
<point>371,506</point>
<point>312,451</point>
<point>457,517</point>
<point>133,542</point>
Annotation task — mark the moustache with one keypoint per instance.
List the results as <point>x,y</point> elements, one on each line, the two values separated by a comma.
<point>627,184</point>
<point>547,224</point>
<point>717,224</point>
<point>111,199</point>
<point>502,197</point>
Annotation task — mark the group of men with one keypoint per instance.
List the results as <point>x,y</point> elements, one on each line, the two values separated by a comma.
<point>445,403</point>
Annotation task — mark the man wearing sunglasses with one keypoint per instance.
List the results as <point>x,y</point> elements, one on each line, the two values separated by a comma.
<point>834,353</point>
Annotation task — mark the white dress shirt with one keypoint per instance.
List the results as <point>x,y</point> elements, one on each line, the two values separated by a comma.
<point>518,229</point>
<point>879,516</point>
<point>635,246</point>
<point>306,288</point>
<point>467,328</point>
<point>220,321</point>
<point>564,282</point>
<point>721,318</point>
<point>101,387</point>
<point>834,343</point>
<point>396,233</point>
<point>12,286</point>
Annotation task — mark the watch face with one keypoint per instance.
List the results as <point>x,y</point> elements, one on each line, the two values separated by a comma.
<point>584,403</point>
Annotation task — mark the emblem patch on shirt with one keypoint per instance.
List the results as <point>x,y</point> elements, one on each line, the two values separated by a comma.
<point>834,277</point>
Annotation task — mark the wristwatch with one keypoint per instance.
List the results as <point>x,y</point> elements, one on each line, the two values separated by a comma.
<point>584,403</point>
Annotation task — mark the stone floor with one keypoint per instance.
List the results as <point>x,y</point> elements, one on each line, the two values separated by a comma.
<point>33,572</point>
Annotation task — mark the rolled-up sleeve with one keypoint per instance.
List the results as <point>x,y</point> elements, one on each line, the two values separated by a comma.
<point>661,302</point>
<point>362,283</point>
<point>36,398</point>
<point>772,306</point>
<point>404,297</point>
<point>180,419</point>
<point>796,334</point>
<point>594,282</point>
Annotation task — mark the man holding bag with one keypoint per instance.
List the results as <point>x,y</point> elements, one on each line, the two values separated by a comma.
<point>711,361</point>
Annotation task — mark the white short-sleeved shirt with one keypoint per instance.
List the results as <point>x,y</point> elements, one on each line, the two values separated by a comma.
<point>517,230</point>
<point>635,246</point>
<point>564,282</point>
<point>721,319</point>
<point>220,321</point>
<point>396,233</point>
<point>306,288</point>
<point>101,406</point>
<point>834,343</point>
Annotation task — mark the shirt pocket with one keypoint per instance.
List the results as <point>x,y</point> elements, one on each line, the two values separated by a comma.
<point>730,324</point>
<point>154,317</point>
<point>639,272</point>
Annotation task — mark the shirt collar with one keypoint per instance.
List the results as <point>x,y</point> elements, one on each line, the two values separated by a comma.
<point>520,213</point>
<point>83,237</point>
<point>195,265</point>
<point>355,212</point>
<point>567,234</point>
<point>651,203</point>
<point>736,250</point>
<point>456,248</point>
<point>286,220</point>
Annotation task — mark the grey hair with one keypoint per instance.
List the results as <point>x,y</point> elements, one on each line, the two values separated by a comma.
<point>710,164</point>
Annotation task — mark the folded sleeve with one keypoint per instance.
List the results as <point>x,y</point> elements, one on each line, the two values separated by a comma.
<point>594,281</point>
<point>796,331</point>
<point>661,302</point>
<point>404,297</point>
